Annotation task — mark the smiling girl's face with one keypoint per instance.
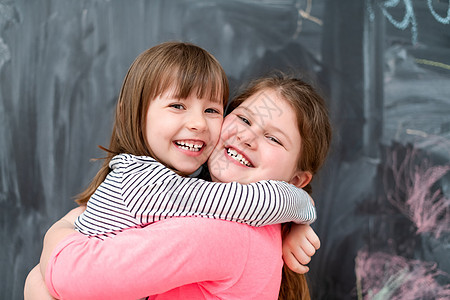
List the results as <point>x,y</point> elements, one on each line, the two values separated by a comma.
<point>260,140</point>
<point>182,133</point>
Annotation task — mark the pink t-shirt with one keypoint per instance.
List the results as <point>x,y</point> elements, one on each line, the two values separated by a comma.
<point>178,258</point>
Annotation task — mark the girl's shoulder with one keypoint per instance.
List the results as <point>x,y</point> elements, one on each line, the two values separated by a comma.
<point>125,160</point>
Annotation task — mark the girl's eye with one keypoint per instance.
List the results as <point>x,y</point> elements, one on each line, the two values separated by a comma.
<point>212,111</point>
<point>177,106</point>
<point>275,140</point>
<point>245,120</point>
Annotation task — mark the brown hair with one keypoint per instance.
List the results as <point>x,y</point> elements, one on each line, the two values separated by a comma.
<point>187,67</point>
<point>315,131</point>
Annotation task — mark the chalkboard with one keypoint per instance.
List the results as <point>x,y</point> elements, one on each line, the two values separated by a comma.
<point>383,197</point>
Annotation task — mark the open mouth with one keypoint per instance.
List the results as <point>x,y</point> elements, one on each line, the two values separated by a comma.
<point>193,146</point>
<point>238,157</point>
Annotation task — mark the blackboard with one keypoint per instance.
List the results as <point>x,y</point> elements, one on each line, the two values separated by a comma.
<point>383,197</point>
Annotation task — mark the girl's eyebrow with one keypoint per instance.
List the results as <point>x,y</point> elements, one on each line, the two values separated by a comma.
<point>246,109</point>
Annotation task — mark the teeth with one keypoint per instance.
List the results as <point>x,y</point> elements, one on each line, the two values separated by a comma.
<point>238,157</point>
<point>189,146</point>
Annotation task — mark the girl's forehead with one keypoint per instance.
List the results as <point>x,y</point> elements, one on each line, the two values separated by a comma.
<point>266,100</point>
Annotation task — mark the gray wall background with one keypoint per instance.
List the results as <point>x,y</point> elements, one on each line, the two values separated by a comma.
<point>383,67</point>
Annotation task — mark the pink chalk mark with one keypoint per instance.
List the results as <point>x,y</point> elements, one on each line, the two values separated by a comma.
<point>430,212</point>
<point>384,276</point>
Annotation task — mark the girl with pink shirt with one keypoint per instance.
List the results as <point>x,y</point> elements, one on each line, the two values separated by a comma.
<point>248,151</point>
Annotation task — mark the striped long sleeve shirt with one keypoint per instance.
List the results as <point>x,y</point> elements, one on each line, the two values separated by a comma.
<point>139,190</point>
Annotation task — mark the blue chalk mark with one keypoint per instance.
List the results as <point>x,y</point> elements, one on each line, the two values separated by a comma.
<point>438,18</point>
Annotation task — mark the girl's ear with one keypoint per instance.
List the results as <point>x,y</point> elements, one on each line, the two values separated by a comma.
<point>301,179</point>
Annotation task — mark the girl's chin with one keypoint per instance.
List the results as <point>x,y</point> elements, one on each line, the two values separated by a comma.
<point>187,170</point>
<point>226,177</point>
<point>216,175</point>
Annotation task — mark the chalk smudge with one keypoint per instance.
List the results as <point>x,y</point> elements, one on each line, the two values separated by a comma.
<point>5,55</point>
<point>383,276</point>
<point>413,192</point>
<point>6,15</point>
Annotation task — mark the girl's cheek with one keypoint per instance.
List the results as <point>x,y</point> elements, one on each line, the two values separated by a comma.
<point>217,132</point>
<point>216,127</point>
<point>226,129</point>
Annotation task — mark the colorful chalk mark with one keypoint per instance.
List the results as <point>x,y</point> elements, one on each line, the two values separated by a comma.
<point>409,19</point>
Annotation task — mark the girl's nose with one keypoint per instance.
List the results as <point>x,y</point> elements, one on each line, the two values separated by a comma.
<point>247,138</point>
<point>196,122</point>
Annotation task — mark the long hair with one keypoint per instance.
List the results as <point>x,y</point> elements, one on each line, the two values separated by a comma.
<point>293,286</point>
<point>185,67</point>
<point>315,132</point>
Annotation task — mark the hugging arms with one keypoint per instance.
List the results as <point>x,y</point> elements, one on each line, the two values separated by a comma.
<point>285,147</point>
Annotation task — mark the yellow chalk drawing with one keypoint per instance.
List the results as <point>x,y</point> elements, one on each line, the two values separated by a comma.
<point>432,63</point>
<point>305,14</point>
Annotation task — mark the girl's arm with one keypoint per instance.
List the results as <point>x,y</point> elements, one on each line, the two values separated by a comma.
<point>151,192</point>
<point>256,204</point>
<point>299,245</point>
<point>35,288</point>
<point>58,232</point>
<point>150,260</point>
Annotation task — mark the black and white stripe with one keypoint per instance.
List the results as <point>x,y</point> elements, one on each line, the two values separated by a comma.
<point>140,190</point>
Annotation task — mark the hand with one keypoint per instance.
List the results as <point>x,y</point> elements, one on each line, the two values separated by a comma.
<point>299,245</point>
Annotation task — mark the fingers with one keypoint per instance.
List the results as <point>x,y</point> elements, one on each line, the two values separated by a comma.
<point>312,237</point>
<point>299,246</point>
<point>296,258</point>
<point>294,265</point>
<point>304,254</point>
